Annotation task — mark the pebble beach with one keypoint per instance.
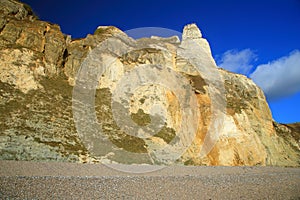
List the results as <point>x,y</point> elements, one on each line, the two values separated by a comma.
<point>54,180</point>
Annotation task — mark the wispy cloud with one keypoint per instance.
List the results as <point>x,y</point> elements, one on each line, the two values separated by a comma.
<point>237,61</point>
<point>279,78</point>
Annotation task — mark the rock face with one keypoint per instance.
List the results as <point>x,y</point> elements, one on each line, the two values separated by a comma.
<point>29,48</point>
<point>41,118</point>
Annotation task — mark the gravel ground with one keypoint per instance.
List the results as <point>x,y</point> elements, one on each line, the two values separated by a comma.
<point>31,180</point>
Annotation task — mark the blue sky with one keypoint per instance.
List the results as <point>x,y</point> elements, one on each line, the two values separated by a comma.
<point>258,38</point>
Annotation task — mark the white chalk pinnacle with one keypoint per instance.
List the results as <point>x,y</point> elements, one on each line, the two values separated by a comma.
<point>191,31</point>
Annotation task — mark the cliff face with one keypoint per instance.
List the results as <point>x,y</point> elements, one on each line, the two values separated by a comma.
<point>47,79</point>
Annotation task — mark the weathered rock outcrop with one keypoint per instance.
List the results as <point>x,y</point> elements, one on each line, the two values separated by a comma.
<point>38,71</point>
<point>29,48</point>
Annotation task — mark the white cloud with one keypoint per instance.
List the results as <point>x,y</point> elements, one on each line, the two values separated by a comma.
<point>237,61</point>
<point>279,78</point>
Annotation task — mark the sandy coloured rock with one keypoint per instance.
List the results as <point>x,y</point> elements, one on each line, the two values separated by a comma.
<point>38,69</point>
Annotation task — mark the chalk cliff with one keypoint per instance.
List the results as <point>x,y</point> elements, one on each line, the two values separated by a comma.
<point>199,114</point>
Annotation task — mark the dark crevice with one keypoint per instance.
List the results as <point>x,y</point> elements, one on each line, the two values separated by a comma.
<point>14,13</point>
<point>44,35</point>
<point>44,48</point>
<point>64,58</point>
<point>2,28</point>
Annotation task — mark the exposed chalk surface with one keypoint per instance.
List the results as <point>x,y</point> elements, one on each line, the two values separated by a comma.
<point>53,180</point>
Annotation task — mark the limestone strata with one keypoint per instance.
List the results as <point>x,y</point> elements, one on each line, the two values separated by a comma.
<point>38,69</point>
<point>29,48</point>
